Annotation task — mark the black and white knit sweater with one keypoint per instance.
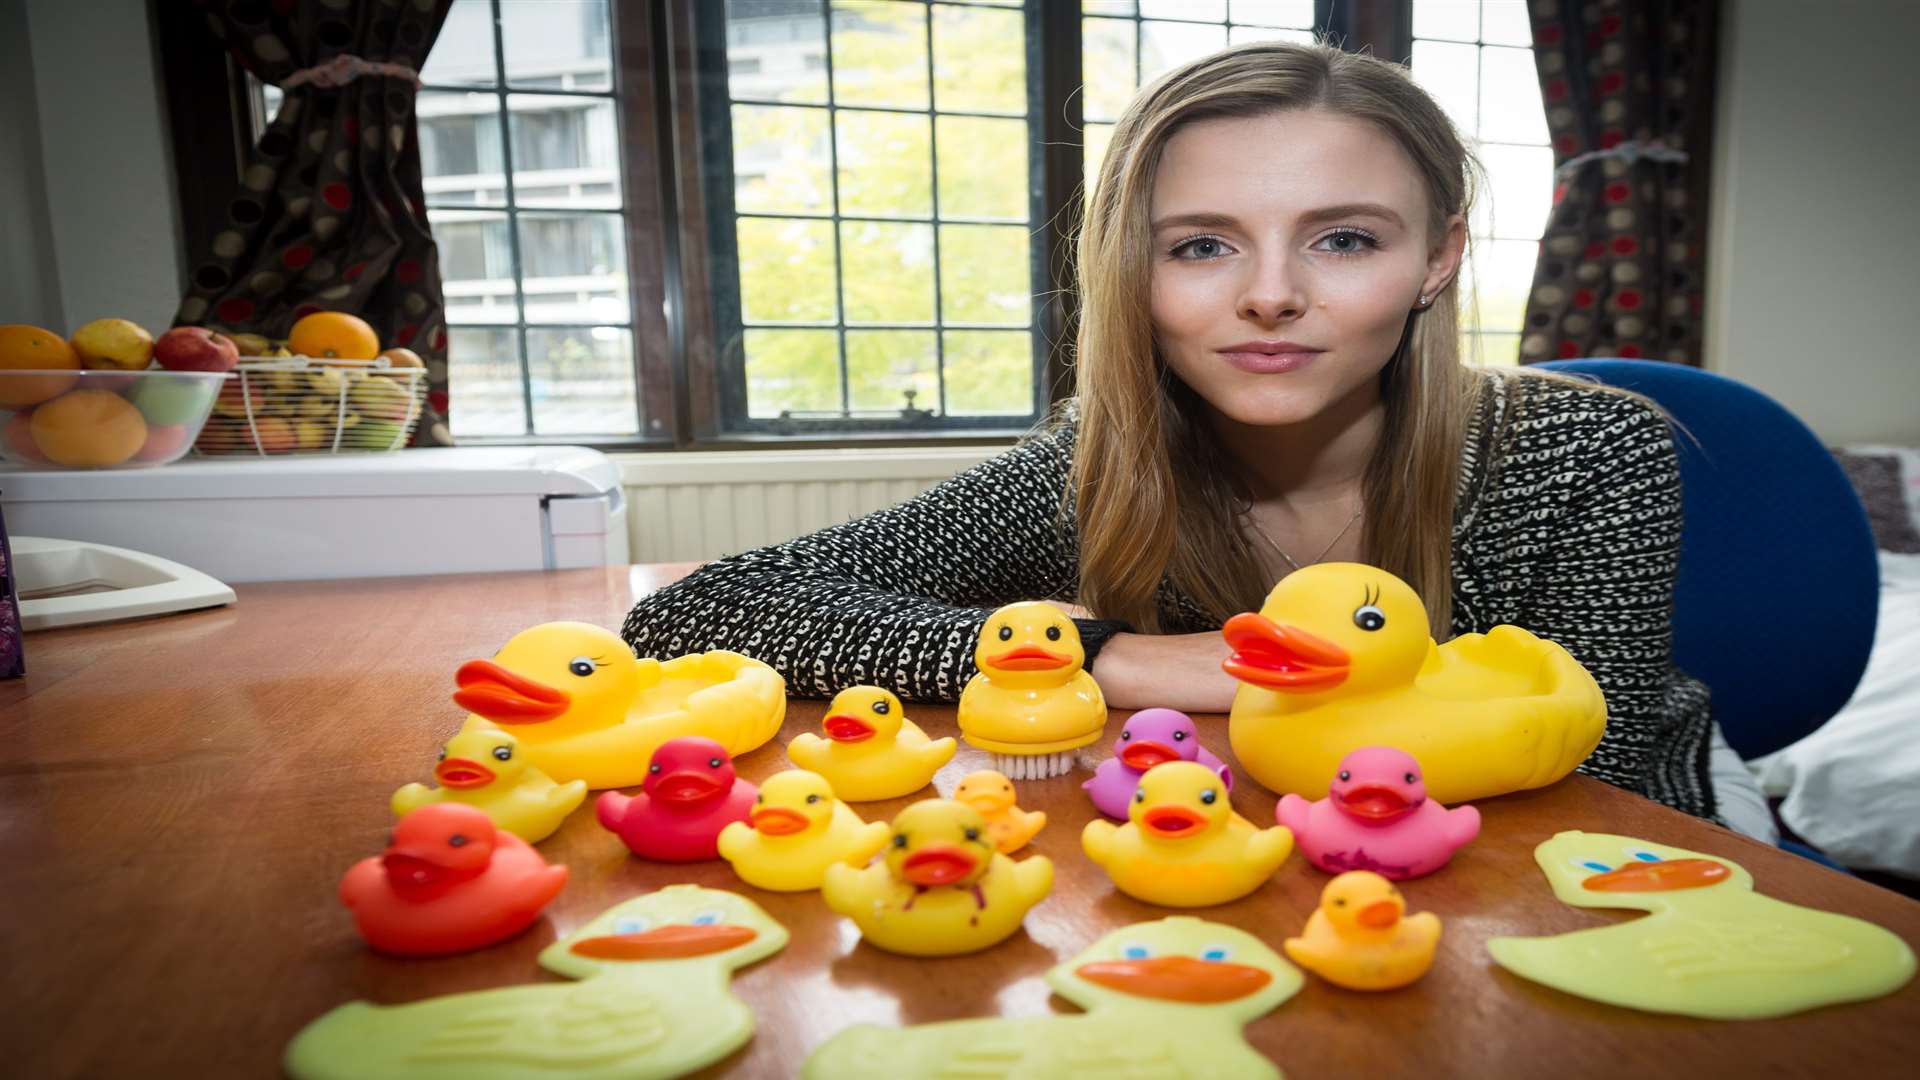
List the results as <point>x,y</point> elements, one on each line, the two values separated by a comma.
<point>1567,523</point>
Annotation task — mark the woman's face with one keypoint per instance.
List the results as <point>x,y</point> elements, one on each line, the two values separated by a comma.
<point>1288,250</point>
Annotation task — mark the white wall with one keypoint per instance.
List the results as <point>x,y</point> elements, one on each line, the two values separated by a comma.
<point>29,280</point>
<point>1814,264</point>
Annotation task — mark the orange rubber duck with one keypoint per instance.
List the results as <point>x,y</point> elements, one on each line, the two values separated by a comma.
<point>991,793</point>
<point>449,882</point>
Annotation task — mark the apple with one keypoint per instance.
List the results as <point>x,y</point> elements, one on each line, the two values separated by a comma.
<point>115,344</point>
<point>273,435</point>
<point>399,360</point>
<point>169,400</point>
<point>19,439</point>
<point>377,435</point>
<point>164,443</point>
<point>195,348</point>
<point>382,399</point>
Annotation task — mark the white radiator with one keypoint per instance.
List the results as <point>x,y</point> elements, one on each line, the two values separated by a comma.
<point>700,506</point>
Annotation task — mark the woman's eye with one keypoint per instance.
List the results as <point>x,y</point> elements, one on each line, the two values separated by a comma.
<point>1349,242</point>
<point>1200,248</point>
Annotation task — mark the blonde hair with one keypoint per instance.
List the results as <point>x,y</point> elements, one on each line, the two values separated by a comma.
<point>1151,494</point>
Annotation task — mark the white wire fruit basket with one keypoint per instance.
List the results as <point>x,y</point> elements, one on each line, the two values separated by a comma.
<point>303,405</point>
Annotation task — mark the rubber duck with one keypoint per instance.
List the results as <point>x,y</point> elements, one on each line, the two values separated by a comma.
<point>691,794</point>
<point>1150,737</point>
<point>1183,846</point>
<point>1031,704</point>
<point>486,769</point>
<point>942,888</point>
<point>585,708</point>
<point>1711,947</point>
<point>872,751</point>
<point>992,794</point>
<point>652,1000</point>
<point>449,882</point>
<point>1362,938</point>
<point>797,830</point>
<point>1164,998</point>
<point>1338,658</point>
<point>1377,817</point>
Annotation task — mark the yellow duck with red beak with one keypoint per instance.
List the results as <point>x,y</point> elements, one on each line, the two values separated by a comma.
<point>1339,658</point>
<point>1362,938</point>
<point>486,770</point>
<point>1183,846</point>
<point>1032,703</point>
<point>942,889</point>
<point>585,708</point>
<point>1165,999</point>
<point>796,831</point>
<point>872,751</point>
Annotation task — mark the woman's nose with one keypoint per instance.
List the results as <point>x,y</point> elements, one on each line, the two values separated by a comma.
<point>1273,291</point>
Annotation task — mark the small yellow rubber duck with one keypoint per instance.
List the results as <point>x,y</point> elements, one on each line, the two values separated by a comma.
<point>486,770</point>
<point>1362,938</point>
<point>1031,704</point>
<point>1183,846</point>
<point>942,888</point>
<point>992,794</point>
<point>872,751</point>
<point>1339,658</point>
<point>585,708</point>
<point>797,830</point>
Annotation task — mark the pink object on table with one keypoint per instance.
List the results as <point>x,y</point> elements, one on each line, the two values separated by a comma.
<point>690,794</point>
<point>449,882</point>
<point>1377,817</point>
<point>1150,737</point>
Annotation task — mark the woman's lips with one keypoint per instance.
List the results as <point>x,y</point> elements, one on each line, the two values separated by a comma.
<point>1265,363</point>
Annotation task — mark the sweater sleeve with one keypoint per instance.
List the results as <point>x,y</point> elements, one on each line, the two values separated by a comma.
<point>1604,591</point>
<point>893,599</point>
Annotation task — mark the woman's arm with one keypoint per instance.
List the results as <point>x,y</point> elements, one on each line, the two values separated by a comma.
<point>1169,671</point>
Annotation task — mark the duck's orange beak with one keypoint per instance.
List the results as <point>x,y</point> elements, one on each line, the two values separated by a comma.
<point>1666,876</point>
<point>777,821</point>
<point>461,773</point>
<point>1145,754</point>
<point>1177,978</point>
<point>938,864</point>
<point>1285,658</point>
<point>1378,915</point>
<point>504,697</point>
<point>673,942</point>
<point>843,728</point>
<point>1029,658</point>
<point>1172,822</point>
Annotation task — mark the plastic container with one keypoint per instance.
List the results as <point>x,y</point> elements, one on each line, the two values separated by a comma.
<point>103,419</point>
<point>299,405</point>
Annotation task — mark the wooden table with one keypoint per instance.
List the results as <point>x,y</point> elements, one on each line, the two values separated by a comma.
<point>179,797</point>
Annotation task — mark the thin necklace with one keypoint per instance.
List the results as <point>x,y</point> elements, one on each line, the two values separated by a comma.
<point>1272,543</point>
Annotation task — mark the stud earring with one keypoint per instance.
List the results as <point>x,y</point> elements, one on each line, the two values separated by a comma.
<point>1425,300</point>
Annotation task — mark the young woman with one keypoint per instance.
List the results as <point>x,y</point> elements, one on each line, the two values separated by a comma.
<point>1268,377</point>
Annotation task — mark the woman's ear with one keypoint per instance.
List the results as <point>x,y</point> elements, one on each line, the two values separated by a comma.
<point>1443,262</point>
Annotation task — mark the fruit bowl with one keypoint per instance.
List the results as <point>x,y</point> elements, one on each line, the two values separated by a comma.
<point>304,405</point>
<point>87,419</point>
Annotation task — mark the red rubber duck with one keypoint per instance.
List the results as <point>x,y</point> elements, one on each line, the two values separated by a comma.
<point>449,882</point>
<point>690,794</point>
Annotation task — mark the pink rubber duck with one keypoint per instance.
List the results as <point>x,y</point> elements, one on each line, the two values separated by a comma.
<point>1377,817</point>
<point>449,882</point>
<point>690,794</point>
<point>1149,737</point>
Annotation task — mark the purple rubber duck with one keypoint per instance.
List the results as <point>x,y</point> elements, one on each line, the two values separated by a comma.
<point>1150,737</point>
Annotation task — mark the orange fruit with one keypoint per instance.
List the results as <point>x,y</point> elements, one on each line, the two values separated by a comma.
<point>89,429</point>
<point>334,335</point>
<point>29,348</point>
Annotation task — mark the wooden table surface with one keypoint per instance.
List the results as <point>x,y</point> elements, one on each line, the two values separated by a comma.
<point>179,797</point>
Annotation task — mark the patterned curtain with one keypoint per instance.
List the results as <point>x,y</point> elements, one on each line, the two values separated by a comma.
<point>1628,89</point>
<point>331,215</point>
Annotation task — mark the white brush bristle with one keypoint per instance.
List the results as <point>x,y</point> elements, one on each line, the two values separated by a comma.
<point>1034,766</point>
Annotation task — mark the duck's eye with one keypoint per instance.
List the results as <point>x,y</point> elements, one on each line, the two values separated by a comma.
<point>882,708</point>
<point>503,753</point>
<point>900,839</point>
<point>1591,866</point>
<point>973,834</point>
<point>457,840</point>
<point>713,763</point>
<point>1053,633</point>
<point>1006,633</point>
<point>1179,736</point>
<point>1006,787</point>
<point>443,753</point>
<point>1410,778</point>
<point>1216,954</point>
<point>580,666</point>
<point>813,798</point>
<point>1140,794</point>
<point>759,798</point>
<point>1369,617</point>
<point>1136,952</point>
<point>1643,855</point>
<point>654,768</point>
<point>1125,735</point>
<point>706,918</point>
<point>1339,901</point>
<point>1345,776</point>
<point>1208,796</point>
<point>630,926</point>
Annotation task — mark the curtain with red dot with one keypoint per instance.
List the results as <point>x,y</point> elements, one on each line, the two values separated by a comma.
<point>1628,89</point>
<point>331,215</point>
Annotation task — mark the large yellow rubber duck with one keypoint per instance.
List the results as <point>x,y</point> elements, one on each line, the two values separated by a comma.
<point>1183,846</point>
<point>585,708</point>
<point>992,794</point>
<point>486,770</point>
<point>1339,658</point>
<point>872,751</point>
<point>942,889</point>
<point>1361,936</point>
<point>1031,704</point>
<point>797,830</point>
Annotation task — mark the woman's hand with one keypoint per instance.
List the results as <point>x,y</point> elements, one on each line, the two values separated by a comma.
<point>1171,671</point>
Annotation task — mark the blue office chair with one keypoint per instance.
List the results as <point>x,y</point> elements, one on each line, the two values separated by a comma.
<point>1778,590</point>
